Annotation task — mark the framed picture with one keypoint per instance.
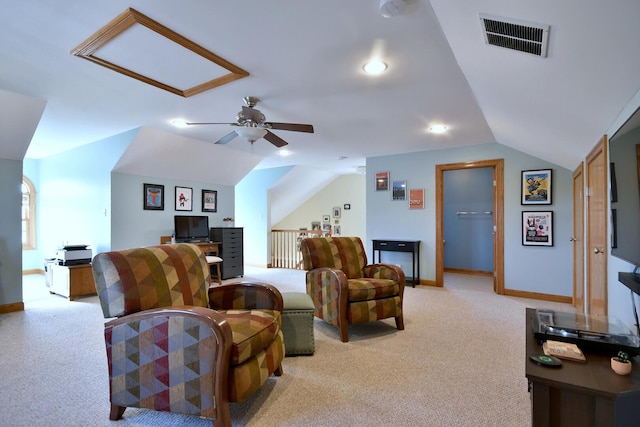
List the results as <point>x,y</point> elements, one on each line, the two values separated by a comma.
<point>416,198</point>
<point>346,206</point>
<point>153,195</point>
<point>315,225</point>
<point>336,212</point>
<point>537,228</point>
<point>399,190</point>
<point>536,187</point>
<point>209,201</point>
<point>337,230</point>
<point>184,196</point>
<point>326,219</point>
<point>382,181</point>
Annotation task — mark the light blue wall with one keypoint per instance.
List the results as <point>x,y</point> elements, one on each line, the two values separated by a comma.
<point>132,226</point>
<point>253,213</point>
<point>75,195</point>
<point>32,259</point>
<point>10,232</point>
<point>544,270</point>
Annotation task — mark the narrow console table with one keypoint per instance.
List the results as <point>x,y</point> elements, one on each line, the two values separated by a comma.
<point>580,394</point>
<point>411,246</point>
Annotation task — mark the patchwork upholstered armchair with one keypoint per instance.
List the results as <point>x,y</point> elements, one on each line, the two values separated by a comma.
<point>177,345</point>
<point>345,290</point>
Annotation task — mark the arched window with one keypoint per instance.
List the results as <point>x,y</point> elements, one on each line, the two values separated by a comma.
<point>28,214</point>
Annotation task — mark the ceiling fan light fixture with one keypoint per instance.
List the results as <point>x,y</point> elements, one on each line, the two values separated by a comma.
<point>251,133</point>
<point>375,66</point>
<point>284,153</point>
<point>391,8</point>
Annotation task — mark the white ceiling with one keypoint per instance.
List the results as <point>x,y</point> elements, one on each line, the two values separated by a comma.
<point>305,59</point>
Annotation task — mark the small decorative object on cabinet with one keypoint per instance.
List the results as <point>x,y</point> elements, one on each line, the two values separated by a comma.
<point>621,363</point>
<point>231,250</point>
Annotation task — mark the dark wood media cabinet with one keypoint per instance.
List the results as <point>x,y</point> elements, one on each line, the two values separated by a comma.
<point>580,394</point>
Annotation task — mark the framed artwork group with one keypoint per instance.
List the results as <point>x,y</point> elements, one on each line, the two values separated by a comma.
<point>400,190</point>
<point>153,198</point>
<point>536,189</point>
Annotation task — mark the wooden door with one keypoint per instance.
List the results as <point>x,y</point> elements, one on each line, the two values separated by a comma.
<point>597,217</point>
<point>498,218</point>
<point>577,239</point>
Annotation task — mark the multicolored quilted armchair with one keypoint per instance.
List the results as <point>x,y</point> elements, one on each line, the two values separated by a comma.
<point>345,290</point>
<point>177,345</point>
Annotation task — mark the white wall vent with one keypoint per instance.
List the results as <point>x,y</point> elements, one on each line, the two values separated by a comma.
<point>515,34</point>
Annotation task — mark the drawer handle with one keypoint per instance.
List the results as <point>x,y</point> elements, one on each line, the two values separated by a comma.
<point>401,244</point>
<point>383,244</point>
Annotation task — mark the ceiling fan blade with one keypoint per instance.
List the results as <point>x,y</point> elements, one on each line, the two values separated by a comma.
<point>275,139</point>
<point>210,123</point>
<point>252,114</point>
<point>228,137</point>
<point>296,127</point>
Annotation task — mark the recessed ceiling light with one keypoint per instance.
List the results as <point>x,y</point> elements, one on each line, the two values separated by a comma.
<point>179,123</point>
<point>284,153</point>
<point>438,129</point>
<point>375,66</point>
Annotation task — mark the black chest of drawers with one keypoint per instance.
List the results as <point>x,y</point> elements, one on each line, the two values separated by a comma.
<point>231,250</point>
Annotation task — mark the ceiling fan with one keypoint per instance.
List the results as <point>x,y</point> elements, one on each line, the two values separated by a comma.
<point>251,125</point>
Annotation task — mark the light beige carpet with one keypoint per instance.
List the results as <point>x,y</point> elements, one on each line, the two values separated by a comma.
<point>459,362</point>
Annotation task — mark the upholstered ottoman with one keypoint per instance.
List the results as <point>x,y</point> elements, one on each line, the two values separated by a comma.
<point>297,323</point>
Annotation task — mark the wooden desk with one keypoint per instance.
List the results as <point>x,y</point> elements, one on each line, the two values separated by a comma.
<point>580,394</point>
<point>209,247</point>
<point>412,246</point>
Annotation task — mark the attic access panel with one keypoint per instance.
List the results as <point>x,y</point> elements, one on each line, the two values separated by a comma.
<point>515,34</point>
<point>109,38</point>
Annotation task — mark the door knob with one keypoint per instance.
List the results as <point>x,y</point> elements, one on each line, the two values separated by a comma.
<point>572,239</point>
<point>598,251</point>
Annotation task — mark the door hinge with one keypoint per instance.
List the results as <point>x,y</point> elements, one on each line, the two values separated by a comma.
<point>587,192</point>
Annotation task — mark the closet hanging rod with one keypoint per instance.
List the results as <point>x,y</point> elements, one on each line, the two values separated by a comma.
<point>475,213</point>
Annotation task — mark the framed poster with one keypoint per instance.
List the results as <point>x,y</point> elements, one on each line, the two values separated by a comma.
<point>416,198</point>
<point>536,187</point>
<point>184,198</point>
<point>382,181</point>
<point>399,190</point>
<point>537,228</point>
<point>153,197</point>
<point>209,201</point>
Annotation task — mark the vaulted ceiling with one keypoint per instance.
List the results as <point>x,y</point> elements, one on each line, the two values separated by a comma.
<point>304,61</point>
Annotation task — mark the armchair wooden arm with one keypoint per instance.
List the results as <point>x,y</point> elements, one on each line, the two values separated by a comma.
<point>205,358</point>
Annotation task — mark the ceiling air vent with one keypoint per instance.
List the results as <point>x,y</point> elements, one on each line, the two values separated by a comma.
<point>514,34</point>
